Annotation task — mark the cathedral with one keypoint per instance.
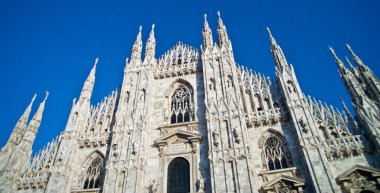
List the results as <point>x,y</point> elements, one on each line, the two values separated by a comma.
<point>194,121</point>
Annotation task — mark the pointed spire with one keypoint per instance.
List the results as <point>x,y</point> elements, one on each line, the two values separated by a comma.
<point>137,46</point>
<point>207,34</point>
<point>35,123</point>
<point>271,38</point>
<point>21,124</point>
<point>278,55</point>
<point>338,62</point>
<point>89,84</point>
<point>38,115</point>
<point>150,47</point>
<point>222,32</point>
<point>357,60</point>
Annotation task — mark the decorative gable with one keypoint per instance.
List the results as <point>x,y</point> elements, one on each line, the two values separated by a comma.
<point>359,178</point>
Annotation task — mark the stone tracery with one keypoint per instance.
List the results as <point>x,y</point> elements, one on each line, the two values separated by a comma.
<point>93,173</point>
<point>274,155</point>
<point>181,106</point>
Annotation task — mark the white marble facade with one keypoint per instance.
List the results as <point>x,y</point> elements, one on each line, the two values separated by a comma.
<point>195,121</point>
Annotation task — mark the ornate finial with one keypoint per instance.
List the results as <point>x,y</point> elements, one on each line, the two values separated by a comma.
<point>96,61</point>
<point>218,12</point>
<point>46,95</point>
<point>140,28</point>
<point>268,30</point>
<point>333,53</point>
<point>34,98</point>
<point>350,49</point>
<point>205,16</point>
<point>272,40</point>
<point>337,60</point>
<point>153,26</point>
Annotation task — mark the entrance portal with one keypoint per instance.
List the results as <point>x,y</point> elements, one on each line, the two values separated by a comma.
<point>179,176</point>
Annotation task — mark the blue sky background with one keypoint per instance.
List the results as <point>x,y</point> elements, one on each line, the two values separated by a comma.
<point>51,45</point>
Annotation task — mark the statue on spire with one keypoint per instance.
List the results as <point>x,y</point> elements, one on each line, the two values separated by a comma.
<point>150,48</point>
<point>357,60</point>
<point>272,40</point>
<point>137,47</point>
<point>207,34</point>
<point>278,55</point>
<point>222,32</point>
<point>338,62</point>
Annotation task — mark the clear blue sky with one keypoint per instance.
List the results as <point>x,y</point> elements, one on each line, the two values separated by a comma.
<point>51,45</point>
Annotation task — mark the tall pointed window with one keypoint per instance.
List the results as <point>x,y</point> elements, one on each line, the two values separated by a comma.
<point>93,173</point>
<point>274,154</point>
<point>181,105</point>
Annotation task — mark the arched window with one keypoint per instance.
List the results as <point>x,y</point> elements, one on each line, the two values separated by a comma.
<point>179,176</point>
<point>93,173</point>
<point>274,155</point>
<point>181,105</point>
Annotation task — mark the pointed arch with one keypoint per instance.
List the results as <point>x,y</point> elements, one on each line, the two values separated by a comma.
<point>175,85</point>
<point>92,170</point>
<point>180,101</point>
<point>275,154</point>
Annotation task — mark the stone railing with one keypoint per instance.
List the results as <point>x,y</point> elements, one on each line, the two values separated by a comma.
<point>264,117</point>
<point>89,140</point>
<point>338,148</point>
<point>166,71</point>
<point>343,147</point>
<point>35,180</point>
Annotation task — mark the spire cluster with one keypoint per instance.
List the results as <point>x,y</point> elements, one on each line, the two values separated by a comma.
<point>360,80</point>
<point>222,34</point>
<point>150,49</point>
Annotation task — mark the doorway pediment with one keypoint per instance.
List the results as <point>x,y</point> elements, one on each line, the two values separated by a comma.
<point>178,136</point>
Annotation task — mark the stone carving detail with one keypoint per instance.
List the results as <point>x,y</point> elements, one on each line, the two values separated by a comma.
<point>358,178</point>
<point>180,60</point>
<point>257,88</point>
<point>37,173</point>
<point>331,122</point>
<point>97,129</point>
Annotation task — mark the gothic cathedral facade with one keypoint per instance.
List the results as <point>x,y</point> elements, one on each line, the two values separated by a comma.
<point>195,121</point>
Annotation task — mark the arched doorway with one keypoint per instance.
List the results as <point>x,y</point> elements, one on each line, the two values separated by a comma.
<point>179,176</point>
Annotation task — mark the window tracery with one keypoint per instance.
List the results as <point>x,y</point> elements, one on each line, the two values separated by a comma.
<point>93,173</point>
<point>274,153</point>
<point>181,105</point>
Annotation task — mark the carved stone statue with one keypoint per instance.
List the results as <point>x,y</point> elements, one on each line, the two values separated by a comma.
<point>215,136</point>
<point>201,185</point>
<point>134,148</point>
<point>154,186</point>
<point>236,135</point>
